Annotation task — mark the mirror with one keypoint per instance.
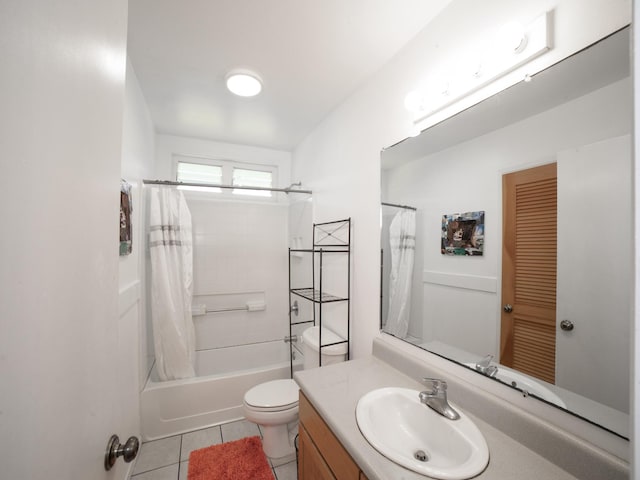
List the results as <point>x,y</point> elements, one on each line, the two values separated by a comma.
<point>507,236</point>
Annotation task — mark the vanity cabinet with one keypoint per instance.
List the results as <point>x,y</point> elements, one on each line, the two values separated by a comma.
<point>320,454</point>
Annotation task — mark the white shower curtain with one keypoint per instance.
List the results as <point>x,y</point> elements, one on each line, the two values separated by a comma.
<point>402,237</point>
<point>171,249</point>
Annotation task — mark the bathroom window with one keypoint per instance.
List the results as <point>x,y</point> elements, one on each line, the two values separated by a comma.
<point>199,173</point>
<point>226,172</point>
<point>243,177</point>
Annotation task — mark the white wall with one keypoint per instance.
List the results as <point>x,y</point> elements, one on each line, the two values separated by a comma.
<point>340,159</point>
<point>239,256</point>
<point>62,87</point>
<point>635,335</point>
<point>138,161</point>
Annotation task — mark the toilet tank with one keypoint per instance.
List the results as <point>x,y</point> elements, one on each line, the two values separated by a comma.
<point>330,355</point>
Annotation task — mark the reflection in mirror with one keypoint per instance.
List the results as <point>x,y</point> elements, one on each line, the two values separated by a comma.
<point>546,307</point>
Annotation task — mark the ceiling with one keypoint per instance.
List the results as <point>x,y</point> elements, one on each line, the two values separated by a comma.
<point>310,54</point>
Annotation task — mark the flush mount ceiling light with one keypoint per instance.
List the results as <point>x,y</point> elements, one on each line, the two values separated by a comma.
<point>244,83</point>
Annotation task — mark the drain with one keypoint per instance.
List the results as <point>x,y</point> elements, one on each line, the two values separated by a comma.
<point>420,456</point>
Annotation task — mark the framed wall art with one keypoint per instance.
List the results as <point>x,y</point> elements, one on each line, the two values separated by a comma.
<point>125,218</point>
<point>463,234</point>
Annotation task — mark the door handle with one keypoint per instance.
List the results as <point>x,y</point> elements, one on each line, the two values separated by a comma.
<point>566,325</point>
<point>115,449</point>
<point>508,308</point>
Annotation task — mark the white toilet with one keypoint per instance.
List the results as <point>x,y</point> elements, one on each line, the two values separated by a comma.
<point>274,405</point>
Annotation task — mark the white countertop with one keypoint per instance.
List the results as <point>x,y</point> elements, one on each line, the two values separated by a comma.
<point>335,390</point>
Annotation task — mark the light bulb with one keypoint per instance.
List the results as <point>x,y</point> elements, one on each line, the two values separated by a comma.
<point>512,38</point>
<point>244,84</point>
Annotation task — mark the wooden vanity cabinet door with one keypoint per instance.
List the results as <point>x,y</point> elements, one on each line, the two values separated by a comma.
<point>311,465</point>
<point>326,444</point>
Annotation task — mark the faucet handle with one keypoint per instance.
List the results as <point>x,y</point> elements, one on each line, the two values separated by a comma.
<point>435,384</point>
<point>486,361</point>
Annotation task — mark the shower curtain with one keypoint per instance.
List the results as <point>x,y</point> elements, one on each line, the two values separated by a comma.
<point>402,237</point>
<point>171,250</point>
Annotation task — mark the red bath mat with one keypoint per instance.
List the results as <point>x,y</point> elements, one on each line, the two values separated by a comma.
<point>239,460</point>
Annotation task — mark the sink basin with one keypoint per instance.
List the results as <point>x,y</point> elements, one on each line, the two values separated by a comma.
<point>413,435</point>
<point>526,383</point>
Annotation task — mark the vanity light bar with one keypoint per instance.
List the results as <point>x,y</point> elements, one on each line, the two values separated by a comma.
<point>511,49</point>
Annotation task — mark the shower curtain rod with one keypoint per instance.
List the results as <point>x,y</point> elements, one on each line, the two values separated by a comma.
<point>214,185</point>
<point>398,206</point>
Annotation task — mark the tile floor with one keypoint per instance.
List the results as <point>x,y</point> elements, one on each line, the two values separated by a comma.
<point>168,458</point>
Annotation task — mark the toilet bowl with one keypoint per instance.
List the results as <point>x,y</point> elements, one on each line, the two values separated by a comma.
<point>274,405</point>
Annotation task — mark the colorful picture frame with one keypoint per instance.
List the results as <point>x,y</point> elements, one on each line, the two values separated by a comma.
<point>463,234</point>
<point>126,208</point>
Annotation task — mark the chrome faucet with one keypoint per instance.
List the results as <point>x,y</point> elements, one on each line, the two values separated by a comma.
<point>484,366</point>
<point>435,397</point>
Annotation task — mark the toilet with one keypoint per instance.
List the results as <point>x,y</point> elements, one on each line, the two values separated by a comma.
<point>274,405</point>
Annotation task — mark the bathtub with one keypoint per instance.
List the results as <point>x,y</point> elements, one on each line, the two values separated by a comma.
<point>215,395</point>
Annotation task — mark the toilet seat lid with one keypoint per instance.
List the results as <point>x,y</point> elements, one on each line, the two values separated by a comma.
<point>280,394</point>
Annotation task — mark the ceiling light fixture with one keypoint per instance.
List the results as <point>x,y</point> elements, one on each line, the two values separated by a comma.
<point>244,83</point>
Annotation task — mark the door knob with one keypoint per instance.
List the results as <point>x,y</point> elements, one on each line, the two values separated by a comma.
<point>508,308</point>
<point>566,325</point>
<point>115,449</point>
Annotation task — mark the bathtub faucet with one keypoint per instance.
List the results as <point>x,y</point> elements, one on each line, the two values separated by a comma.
<point>435,397</point>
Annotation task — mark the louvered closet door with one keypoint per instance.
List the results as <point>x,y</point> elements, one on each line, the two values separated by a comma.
<point>529,252</point>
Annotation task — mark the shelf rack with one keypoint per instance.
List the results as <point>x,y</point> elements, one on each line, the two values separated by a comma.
<point>329,238</point>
